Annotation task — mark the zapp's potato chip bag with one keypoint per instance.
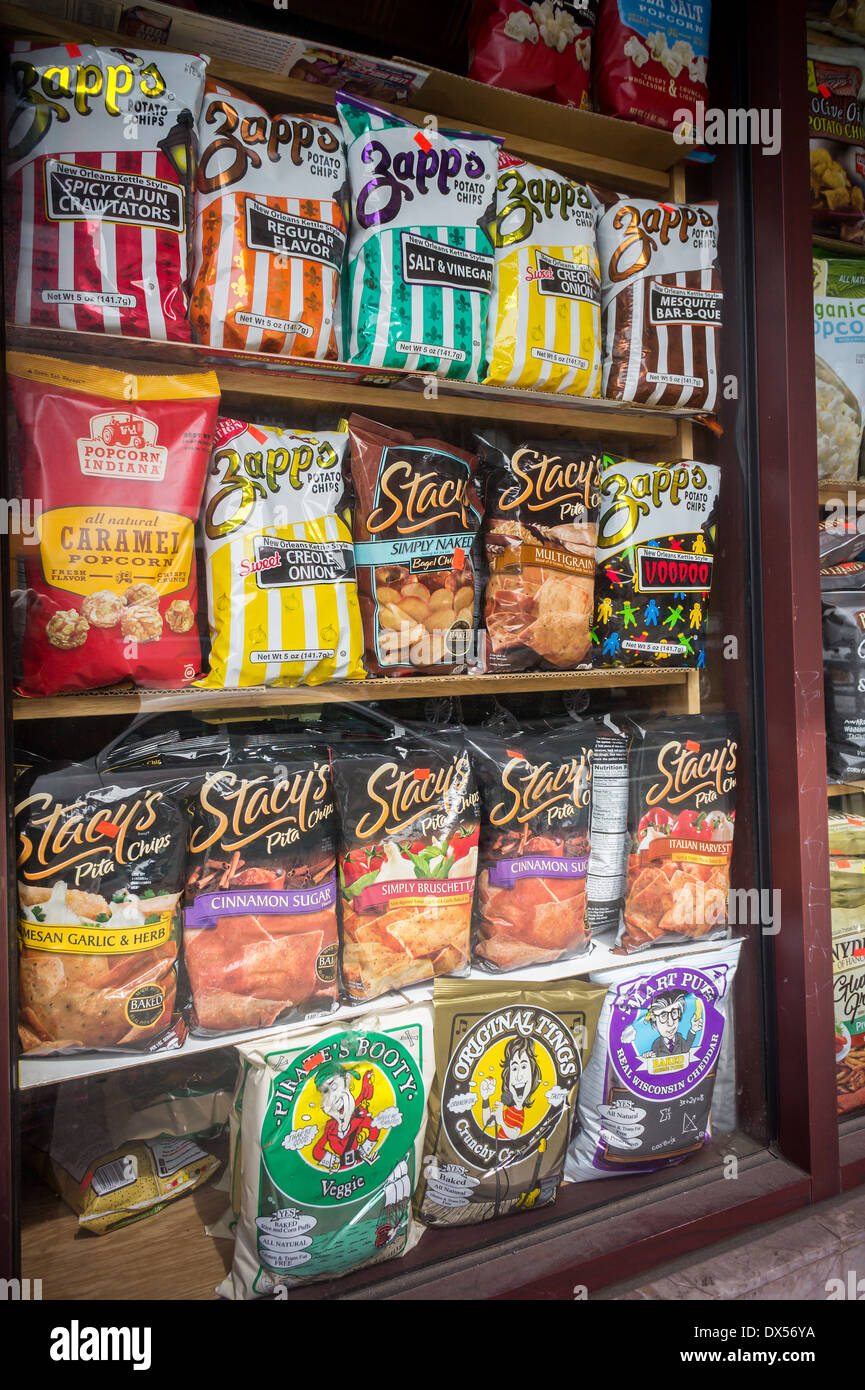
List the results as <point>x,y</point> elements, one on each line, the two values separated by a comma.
<point>101,147</point>
<point>270,228</point>
<point>420,256</point>
<point>118,462</point>
<point>282,599</point>
<point>545,309</point>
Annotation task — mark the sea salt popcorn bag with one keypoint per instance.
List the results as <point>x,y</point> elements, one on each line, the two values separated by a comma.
<point>650,59</point>
<point>420,262</point>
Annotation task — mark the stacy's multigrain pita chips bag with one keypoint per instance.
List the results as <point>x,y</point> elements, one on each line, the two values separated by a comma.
<point>509,1056</point>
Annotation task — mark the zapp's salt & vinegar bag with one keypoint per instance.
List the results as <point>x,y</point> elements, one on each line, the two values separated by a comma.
<point>270,229</point>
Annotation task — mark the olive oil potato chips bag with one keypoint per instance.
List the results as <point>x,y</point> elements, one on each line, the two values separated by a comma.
<point>509,1056</point>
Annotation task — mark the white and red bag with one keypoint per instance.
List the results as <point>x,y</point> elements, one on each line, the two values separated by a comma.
<point>650,60</point>
<point>542,48</point>
<point>100,157</point>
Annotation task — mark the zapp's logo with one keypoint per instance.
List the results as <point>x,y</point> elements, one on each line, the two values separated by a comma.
<point>122,445</point>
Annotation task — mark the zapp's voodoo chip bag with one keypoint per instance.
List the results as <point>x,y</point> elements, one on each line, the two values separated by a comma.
<point>101,148</point>
<point>661,301</point>
<point>534,844</point>
<point>270,229</point>
<point>539,535</point>
<point>282,597</point>
<point>681,817</point>
<point>420,261</point>
<point>328,1149</point>
<point>509,1057</point>
<point>100,875</point>
<point>118,462</point>
<point>545,310</point>
<point>260,938</point>
<point>540,47</point>
<point>654,562</point>
<point>417,520</point>
<point>646,1095</point>
<point>408,856</point>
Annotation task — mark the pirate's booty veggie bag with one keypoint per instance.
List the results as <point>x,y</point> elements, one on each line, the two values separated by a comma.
<point>331,1133</point>
<point>509,1056</point>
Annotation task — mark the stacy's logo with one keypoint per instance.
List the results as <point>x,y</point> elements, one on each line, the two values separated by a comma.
<point>77,1343</point>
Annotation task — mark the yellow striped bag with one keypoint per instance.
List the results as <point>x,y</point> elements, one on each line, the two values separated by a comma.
<point>543,331</point>
<point>281,590</point>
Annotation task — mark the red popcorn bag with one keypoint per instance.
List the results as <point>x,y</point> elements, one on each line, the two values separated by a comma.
<point>542,49</point>
<point>101,151</point>
<point>115,466</point>
<point>650,60</point>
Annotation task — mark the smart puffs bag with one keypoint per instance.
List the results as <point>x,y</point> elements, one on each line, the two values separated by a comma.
<point>545,309</point>
<point>270,228</point>
<point>282,597</point>
<point>327,1150</point>
<point>509,1057</point>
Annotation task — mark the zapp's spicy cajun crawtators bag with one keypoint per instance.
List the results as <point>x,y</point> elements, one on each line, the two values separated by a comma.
<point>101,147</point>
<point>270,228</point>
<point>539,534</point>
<point>118,462</point>
<point>331,1134</point>
<point>260,937</point>
<point>509,1057</point>
<point>545,310</point>
<point>281,590</point>
<point>650,60</point>
<point>661,301</point>
<point>534,844</point>
<point>654,561</point>
<point>100,874</point>
<point>417,521</point>
<point>681,818</point>
<point>645,1098</point>
<point>408,809</point>
<point>542,48</point>
<point>420,261</point>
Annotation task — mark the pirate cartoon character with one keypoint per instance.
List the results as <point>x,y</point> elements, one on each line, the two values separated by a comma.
<point>521,1077</point>
<point>349,1135</point>
<point>664,1014</point>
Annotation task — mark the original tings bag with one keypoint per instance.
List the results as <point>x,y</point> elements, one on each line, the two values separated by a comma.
<point>655,556</point>
<point>646,1095</point>
<point>118,462</point>
<point>331,1131</point>
<point>282,597</point>
<point>661,301</point>
<point>270,229</point>
<point>545,309</point>
<point>650,60</point>
<point>420,260</point>
<point>540,47</point>
<point>101,148</point>
<point>509,1057</point>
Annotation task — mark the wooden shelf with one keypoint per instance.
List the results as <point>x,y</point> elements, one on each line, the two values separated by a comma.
<point>843,248</point>
<point>844,788</point>
<point>835,492</point>
<point>99,703</point>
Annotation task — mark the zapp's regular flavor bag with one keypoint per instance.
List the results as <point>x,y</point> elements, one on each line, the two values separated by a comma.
<point>661,301</point>
<point>101,148</point>
<point>545,310</point>
<point>118,462</point>
<point>328,1148</point>
<point>281,590</point>
<point>420,260</point>
<point>543,48</point>
<point>650,60</point>
<point>270,229</point>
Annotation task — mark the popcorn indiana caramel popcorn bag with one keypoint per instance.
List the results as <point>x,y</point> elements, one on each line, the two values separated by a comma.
<point>118,463</point>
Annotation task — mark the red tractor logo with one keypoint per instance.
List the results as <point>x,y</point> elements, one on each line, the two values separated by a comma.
<point>123,430</point>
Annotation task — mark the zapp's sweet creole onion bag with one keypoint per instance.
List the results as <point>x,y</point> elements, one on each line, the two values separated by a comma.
<point>100,875</point>
<point>545,310</point>
<point>118,463</point>
<point>509,1057</point>
<point>327,1151</point>
<point>661,301</point>
<point>270,228</point>
<point>420,261</point>
<point>542,48</point>
<point>100,157</point>
<point>646,1095</point>
<point>282,597</point>
<point>534,844</point>
<point>650,60</point>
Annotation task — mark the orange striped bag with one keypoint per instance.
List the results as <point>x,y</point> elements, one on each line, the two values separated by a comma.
<point>270,229</point>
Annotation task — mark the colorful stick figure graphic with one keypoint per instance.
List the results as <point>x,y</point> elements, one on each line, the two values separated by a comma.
<point>605,610</point>
<point>613,575</point>
<point>696,615</point>
<point>701,659</point>
<point>686,643</point>
<point>651,613</point>
<point>611,644</point>
<point>674,616</point>
<point>628,615</point>
<point>699,546</point>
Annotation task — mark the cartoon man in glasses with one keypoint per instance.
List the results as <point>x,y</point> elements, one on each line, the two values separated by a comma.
<point>664,1014</point>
